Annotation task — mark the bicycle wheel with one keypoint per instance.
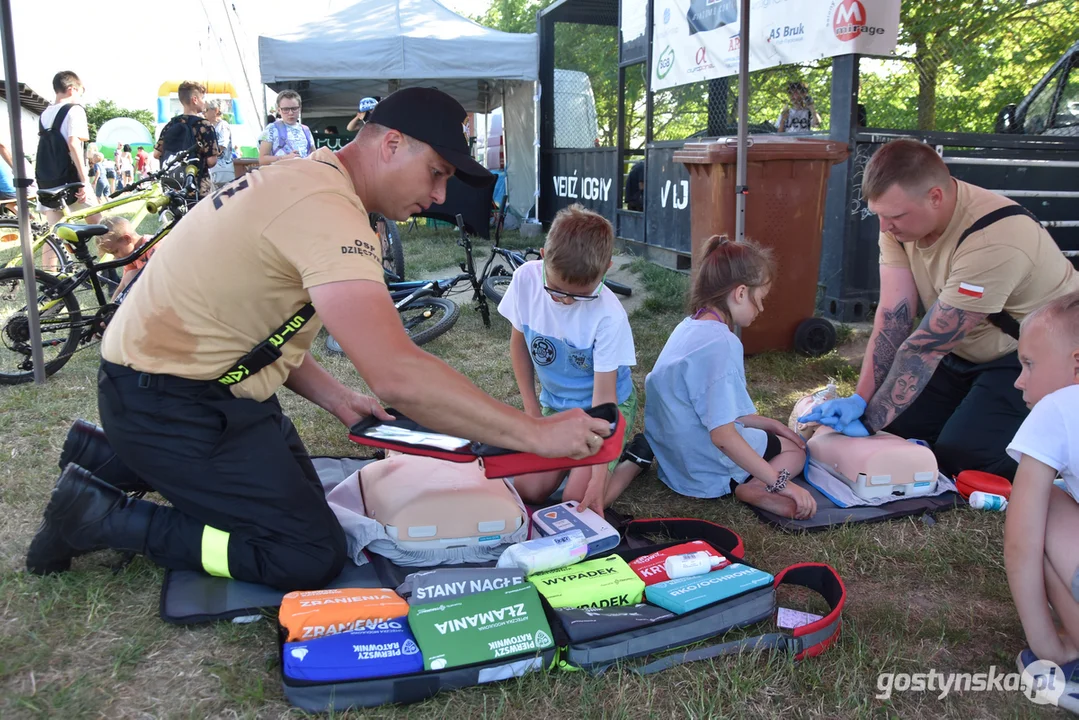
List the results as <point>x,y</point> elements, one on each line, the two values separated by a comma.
<point>618,288</point>
<point>427,318</point>
<point>393,252</point>
<point>60,327</point>
<point>494,287</point>
<point>11,248</point>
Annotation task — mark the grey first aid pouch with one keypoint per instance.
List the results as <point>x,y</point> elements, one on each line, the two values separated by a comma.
<point>583,624</point>
<point>443,583</point>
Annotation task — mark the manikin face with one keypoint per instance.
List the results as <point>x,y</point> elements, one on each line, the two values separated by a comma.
<point>908,216</point>
<point>1050,361</point>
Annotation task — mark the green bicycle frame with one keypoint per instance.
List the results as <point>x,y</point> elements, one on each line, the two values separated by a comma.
<point>152,195</point>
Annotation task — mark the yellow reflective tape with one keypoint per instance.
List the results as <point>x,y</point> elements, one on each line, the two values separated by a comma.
<point>215,551</point>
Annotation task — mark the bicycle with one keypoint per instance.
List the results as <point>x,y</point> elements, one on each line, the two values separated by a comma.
<point>66,326</point>
<point>65,195</point>
<point>496,279</point>
<point>393,252</point>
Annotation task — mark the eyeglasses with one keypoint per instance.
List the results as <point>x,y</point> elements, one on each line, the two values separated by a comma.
<point>563,295</point>
<point>294,108</point>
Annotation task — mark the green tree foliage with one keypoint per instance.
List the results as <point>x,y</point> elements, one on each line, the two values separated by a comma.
<point>104,110</point>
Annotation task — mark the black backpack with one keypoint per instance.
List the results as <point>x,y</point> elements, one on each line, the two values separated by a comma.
<point>179,136</point>
<point>54,166</point>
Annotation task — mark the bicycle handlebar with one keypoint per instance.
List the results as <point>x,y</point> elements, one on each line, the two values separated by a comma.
<point>184,156</point>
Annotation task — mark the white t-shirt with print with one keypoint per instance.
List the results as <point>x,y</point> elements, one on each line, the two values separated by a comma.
<point>297,139</point>
<point>569,344</point>
<point>1050,435</point>
<point>74,125</point>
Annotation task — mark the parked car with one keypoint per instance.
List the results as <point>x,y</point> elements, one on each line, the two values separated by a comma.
<point>1052,107</point>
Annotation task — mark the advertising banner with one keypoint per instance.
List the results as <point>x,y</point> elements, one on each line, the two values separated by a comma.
<point>697,40</point>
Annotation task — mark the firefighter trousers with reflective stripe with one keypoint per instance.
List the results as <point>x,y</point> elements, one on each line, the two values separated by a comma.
<point>246,500</point>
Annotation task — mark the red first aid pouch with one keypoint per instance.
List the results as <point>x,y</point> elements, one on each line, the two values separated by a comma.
<point>409,437</point>
<point>650,568</point>
<point>970,481</point>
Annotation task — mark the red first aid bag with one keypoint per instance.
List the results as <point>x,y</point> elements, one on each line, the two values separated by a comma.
<point>650,568</point>
<point>409,437</point>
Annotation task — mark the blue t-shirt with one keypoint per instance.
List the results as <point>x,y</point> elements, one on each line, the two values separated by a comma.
<point>697,385</point>
<point>569,344</point>
<point>7,183</point>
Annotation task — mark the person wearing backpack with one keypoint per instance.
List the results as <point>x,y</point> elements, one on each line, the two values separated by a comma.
<point>62,130</point>
<point>190,129</point>
<point>286,138</point>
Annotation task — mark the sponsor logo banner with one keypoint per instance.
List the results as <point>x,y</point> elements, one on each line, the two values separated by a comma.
<point>701,39</point>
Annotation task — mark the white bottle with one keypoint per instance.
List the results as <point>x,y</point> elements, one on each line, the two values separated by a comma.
<point>987,501</point>
<point>694,563</point>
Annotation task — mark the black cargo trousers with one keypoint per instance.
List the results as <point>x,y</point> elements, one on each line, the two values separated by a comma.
<point>246,500</point>
<point>968,413</point>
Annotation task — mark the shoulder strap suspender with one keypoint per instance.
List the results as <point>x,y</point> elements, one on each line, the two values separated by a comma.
<point>1003,320</point>
<point>268,351</point>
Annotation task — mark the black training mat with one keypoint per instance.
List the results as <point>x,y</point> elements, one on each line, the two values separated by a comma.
<point>189,597</point>
<point>831,515</point>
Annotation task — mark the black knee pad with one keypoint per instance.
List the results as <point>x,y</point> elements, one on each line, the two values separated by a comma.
<point>87,446</point>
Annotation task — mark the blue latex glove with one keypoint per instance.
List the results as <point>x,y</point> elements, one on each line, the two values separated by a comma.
<point>838,413</point>
<point>855,428</point>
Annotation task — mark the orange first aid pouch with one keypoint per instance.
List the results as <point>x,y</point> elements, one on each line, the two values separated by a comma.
<point>311,614</point>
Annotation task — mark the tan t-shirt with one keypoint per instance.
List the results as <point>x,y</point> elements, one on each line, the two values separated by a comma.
<point>238,266</point>
<point>1012,264</point>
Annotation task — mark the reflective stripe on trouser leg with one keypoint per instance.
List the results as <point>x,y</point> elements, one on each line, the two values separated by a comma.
<point>215,551</point>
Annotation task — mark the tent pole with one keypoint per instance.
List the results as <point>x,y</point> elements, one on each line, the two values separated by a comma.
<point>37,353</point>
<point>506,169</point>
<point>743,126</point>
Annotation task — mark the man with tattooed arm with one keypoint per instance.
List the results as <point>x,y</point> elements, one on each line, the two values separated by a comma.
<point>977,263</point>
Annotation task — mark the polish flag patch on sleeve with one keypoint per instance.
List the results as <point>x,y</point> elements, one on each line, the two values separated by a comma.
<point>975,291</point>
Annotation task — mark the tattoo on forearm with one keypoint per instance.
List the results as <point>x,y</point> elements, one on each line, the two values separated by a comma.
<point>894,329</point>
<point>916,359</point>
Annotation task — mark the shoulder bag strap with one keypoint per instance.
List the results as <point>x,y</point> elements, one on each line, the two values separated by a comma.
<point>1003,320</point>
<point>268,351</point>
<point>803,642</point>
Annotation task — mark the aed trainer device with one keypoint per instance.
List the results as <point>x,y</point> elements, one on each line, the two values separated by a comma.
<point>599,534</point>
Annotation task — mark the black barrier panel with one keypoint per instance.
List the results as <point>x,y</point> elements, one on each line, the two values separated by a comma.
<point>630,225</point>
<point>588,177</point>
<point>666,189</point>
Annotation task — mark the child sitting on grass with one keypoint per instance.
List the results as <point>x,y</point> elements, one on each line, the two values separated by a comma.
<point>571,331</point>
<point>1041,531</point>
<point>698,417</point>
<point>120,241</point>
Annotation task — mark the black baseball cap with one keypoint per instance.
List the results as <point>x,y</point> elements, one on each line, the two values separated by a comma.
<point>431,116</point>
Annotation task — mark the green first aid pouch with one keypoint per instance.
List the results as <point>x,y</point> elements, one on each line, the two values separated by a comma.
<point>481,627</point>
<point>604,582</point>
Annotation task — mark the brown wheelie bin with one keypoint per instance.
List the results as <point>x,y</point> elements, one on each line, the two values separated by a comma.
<point>787,177</point>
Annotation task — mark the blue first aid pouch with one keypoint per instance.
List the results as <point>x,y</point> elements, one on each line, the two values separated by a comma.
<point>688,594</point>
<point>381,650</point>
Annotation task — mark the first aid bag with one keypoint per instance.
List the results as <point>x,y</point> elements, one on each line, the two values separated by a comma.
<point>311,614</point>
<point>687,594</point>
<point>652,568</point>
<point>601,536</point>
<point>603,582</point>
<point>480,628</point>
<point>381,650</point>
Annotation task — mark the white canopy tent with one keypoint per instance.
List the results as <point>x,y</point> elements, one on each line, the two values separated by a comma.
<point>375,47</point>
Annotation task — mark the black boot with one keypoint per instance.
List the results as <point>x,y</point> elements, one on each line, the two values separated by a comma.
<point>85,514</point>
<point>87,446</point>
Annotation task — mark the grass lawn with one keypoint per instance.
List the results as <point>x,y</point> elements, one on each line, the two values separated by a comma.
<point>89,643</point>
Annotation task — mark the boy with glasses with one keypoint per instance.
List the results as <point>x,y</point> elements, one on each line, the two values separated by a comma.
<point>286,138</point>
<point>572,332</point>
